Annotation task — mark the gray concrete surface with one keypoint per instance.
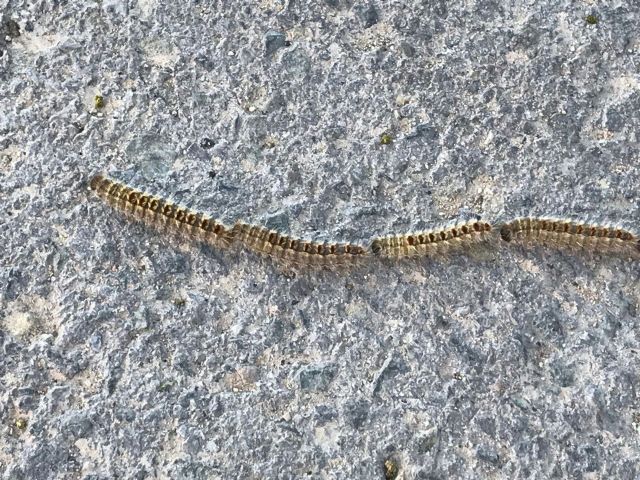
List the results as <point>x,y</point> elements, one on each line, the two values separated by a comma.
<point>127,354</point>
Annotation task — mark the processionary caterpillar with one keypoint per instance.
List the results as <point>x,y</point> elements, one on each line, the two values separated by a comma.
<point>294,250</point>
<point>563,232</point>
<point>158,211</point>
<point>431,242</point>
<point>161,212</point>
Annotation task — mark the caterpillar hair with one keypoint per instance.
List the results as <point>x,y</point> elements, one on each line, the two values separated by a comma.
<point>294,250</point>
<point>563,232</point>
<point>431,242</point>
<point>160,212</point>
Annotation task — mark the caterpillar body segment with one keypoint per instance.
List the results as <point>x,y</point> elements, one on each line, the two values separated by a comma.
<point>570,233</point>
<point>432,242</point>
<point>293,250</point>
<point>160,212</point>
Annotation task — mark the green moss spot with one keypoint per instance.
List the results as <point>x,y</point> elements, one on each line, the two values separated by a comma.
<point>390,470</point>
<point>165,386</point>
<point>98,102</point>
<point>385,139</point>
<point>21,424</point>
<point>592,19</point>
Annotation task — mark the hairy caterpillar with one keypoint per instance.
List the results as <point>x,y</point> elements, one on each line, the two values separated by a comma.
<point>297,251</point>
<point>560,232</point>
<point>570,233</point>
<point>158,211</point>
<point>432,241</point>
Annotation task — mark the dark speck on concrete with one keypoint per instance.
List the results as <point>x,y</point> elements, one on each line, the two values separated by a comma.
<point>408,49</point>
<point>615,121</point>
<point>278,222</point>
<point>316,377</point>
<point>357,412</point>
<point>488,454</point>
<point>369,15</point>
<point>427,132</point>
<point>207,143</point>
<point>11,28</point>
<point>274,41</point>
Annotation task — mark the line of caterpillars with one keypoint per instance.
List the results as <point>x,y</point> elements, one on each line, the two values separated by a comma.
<point>551,231</point>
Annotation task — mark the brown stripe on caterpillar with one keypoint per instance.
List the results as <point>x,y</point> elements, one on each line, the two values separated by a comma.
<point>564,232</point>
<point>431,242</point>
<point>295,250</point>
<point>160,212</point>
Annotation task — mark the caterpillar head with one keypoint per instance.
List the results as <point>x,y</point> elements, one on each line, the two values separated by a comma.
<point>96,181</point>
<point>376,246</point>
<point>506,233</point>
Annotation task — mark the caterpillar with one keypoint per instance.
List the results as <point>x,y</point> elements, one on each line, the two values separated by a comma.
<point>431,242</point>
<point>160,212</point>
<point>564,232</point>
<point>295,250</point>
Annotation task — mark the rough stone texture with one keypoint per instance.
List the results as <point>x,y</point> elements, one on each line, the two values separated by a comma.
<point>125,353</point>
